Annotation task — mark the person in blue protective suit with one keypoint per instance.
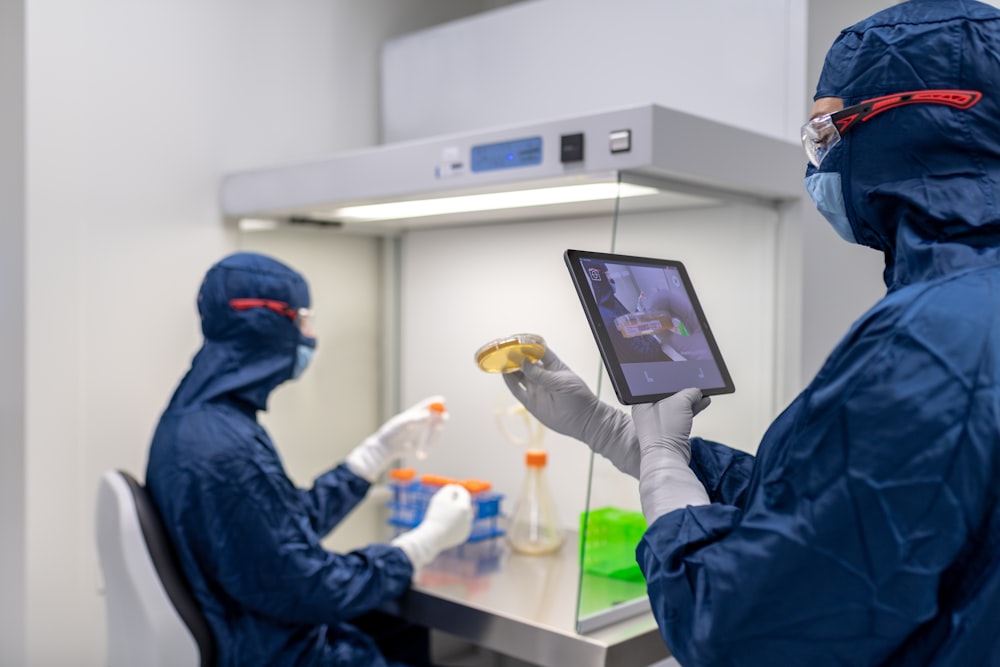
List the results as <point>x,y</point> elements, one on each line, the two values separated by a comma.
<point>866,531</point>
<point>247,539</point>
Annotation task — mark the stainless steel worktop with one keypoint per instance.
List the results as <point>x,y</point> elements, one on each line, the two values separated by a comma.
<point>526,607</point>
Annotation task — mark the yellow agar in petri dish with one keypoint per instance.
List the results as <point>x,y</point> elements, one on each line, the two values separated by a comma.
<point>505,355</point>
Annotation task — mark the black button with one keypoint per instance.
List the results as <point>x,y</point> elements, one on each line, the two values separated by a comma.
<point>571,148</point>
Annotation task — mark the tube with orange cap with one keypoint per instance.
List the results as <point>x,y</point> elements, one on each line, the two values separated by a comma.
<point>437,414</point>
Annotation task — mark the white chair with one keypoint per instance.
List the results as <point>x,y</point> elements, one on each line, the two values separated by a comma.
<point>153,618</point>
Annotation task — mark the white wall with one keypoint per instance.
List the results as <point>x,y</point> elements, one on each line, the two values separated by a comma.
<point>134,112</point>
<point>12,331</point>
<point>739,63</point>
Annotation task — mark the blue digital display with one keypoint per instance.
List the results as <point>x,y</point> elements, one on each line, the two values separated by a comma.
<point>507,154</point>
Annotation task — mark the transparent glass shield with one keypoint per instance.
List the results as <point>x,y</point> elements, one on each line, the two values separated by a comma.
<point>737,285</point>
<point>611,585</point>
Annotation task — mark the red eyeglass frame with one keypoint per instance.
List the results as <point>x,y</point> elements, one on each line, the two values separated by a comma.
<point>845,119</point>
<point>279,307</point>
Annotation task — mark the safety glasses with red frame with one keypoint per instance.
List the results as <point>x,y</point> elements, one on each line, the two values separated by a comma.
<point>822,133</point>
<point>302,317</point>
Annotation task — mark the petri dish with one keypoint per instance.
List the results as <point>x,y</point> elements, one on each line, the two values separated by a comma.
<point>505,355</point>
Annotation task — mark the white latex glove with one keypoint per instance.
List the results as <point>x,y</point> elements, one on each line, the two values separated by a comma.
<point>395,439</point>
<point>447,523</point>
<point>558,398</point>
<point>666,482</point>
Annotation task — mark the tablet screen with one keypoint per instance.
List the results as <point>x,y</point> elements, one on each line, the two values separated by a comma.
<point>650,329</point>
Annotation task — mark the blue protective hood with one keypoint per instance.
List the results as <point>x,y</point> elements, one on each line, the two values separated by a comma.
<point>921,182</point>
<point>246,354</point>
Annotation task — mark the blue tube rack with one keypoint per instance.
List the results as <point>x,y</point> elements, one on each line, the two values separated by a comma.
<point>411,496</point>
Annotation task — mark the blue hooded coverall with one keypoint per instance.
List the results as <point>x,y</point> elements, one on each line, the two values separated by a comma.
<point>866,531</point>
<point>247,538</point>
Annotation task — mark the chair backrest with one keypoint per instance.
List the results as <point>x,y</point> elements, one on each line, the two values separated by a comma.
<point>152,616</point>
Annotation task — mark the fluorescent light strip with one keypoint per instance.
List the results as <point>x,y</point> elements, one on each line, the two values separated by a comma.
<point>257,225</point>
<point>498,200</point>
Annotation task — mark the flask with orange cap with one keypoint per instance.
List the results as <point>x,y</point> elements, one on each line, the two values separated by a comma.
<point>534,526</point>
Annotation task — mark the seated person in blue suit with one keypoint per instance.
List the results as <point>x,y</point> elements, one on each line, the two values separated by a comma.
<point>247,538</point>
<point>866,530</point>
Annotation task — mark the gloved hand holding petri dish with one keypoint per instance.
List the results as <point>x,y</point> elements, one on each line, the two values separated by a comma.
<point>506,355</point>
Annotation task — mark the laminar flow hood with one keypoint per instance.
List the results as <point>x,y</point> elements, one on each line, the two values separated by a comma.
<point>570,166</point>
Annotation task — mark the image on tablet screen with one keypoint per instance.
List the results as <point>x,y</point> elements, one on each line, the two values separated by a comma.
<point>656,331</point>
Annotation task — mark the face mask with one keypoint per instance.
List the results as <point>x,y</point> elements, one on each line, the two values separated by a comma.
<point>827,193</point>
<point>303,355</point>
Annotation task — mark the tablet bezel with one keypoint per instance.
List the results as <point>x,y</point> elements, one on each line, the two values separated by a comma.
<point>612,363</point>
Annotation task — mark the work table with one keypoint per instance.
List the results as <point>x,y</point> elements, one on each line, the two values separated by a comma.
<point>526,607</point>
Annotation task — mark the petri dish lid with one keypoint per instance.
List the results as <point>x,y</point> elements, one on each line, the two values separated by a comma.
<point>505,355</point>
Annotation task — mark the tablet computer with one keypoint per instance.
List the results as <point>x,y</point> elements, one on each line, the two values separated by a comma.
<point>649,327</point>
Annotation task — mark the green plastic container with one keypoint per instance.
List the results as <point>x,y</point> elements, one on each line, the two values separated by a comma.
<point>608,540</point>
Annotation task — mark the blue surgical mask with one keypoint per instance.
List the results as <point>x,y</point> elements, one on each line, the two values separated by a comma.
<point>303,355</point>
<point>827,193</point>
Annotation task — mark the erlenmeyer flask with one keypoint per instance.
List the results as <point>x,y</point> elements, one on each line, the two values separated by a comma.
<point>534,527</point>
